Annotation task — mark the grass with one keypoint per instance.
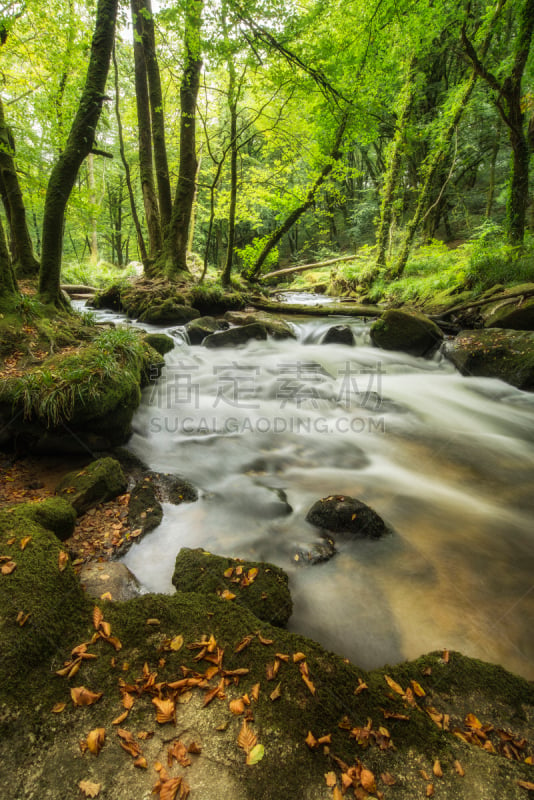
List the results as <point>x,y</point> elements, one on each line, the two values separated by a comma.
<point>98,275</point>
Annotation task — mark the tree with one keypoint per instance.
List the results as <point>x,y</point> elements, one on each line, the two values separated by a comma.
<point>508,96</point>
<point>78,146</point>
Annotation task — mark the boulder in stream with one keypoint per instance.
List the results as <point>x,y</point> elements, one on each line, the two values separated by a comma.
<point>256,585</point>
<point>160,342</point>
<point>198,329</point>
<point>517,313</point>
<point>275,326</point>
<point>236,336</point>
<point>409,331</point>
<point>338,334</point>
<point>342,514</point>
<point>495,353</point>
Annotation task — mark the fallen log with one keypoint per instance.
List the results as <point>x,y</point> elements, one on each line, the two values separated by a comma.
<point>303,267</point>
<point>327,310</point>
<point>496,298</point>
<point>78,288</point>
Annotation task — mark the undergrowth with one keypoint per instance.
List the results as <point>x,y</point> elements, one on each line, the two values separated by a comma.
<point>98,275</point>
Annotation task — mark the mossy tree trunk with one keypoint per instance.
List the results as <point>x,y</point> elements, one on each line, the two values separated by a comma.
<point>295,215</point>
<point>8,284</point>
<point>233,95</point>
<point>22,255</point>
<point>144,132</point>
<point>174,260</point>
<point>157,118</point>
<point>508,97</point>
<point>78,146</point>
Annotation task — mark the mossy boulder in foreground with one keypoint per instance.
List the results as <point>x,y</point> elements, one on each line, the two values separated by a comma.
<point>100,481</point>
<point>495,353</point>
<point>160,342</point>
<point>409,331</point>
<point>258,586</point>
<point>186,657</point>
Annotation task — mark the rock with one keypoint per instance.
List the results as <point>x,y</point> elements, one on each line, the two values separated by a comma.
<point>236,336</point>
<point>144,509</point>
<point>338,334</point>
<point>266,595</point>
<point>175,489</point>
<point>516,314</point>
<point>160,342</point>
<point>108,298</point>
<point>342,514</point>
<point>100,481</point>
<point>211,300</point>
<point>111,578</point>
<point>318,553</point>
<point>199,328</point>
<point>409,331</point>
<point>275,327</point>
<point>169,312</point>
<point>56,515</point>
<point>495,353</point>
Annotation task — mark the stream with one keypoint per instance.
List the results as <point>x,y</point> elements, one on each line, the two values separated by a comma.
<point>266,429</point>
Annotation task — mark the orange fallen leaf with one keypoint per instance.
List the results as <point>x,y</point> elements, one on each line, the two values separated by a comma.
<point>445,656</point>
<point>388,779</point>
<point>436,769</point>
<point>63,560</point>
<point>311,741</point>
<point>95,740</point>
<point>120,718</point>
<point>459,769</point>
<point>84,697</point>
<point>227,595</point>
<point>243,643</point>
<point>106,596</point>
<point>394,685</point>
<point>246,739</point>
<point>237,707</point>
<point>330,778</point>
<point>526,785</point>
<point>8,567</point>
<point>97,617</point>
<point>22,618</point>
<point>58,708</point>
<point>25,542</point>
<point>141,763</point>
<point>276,693</point>
<point>367,780</point>
<point>89,788</point>
<point>166,710</point>
<point>298,657</point>
<point>178,751</point>
<point>336,794</point>
<point>430,790</point>
<point>263,640</point>
<point>255,692</point>
<point>177,643</point>
<point>418,689</point>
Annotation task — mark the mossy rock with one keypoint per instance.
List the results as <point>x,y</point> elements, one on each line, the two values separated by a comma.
<point>169,312</point>
<point>236,336</point>
<point>108,298</point>
<point>495,353</point>
<point>199,328</point>
<point>342,514</point>
<point>144,509</point>
<point>514,314</point>
<point>409,331</point>
<point>275,327</point>
<point>266,594</point>
<point>40,586</point>
<point>55,514</point>
<point>160,342</point>
<point>211,300</point>
<point>100,481</point>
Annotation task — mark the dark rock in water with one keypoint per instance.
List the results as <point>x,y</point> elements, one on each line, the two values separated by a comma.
<point>108,298</point>
<point>112,578</point>
<point>99,482</point>
<point>160,342</point>
<point>409,331</point>
<point>275,327</point>
<point>259,586</point>
<point>175,489</point>
<point>198,329</point>
<point>236,336</point>
<point>318,553</point>
<point>343,514</point>
<point>144,509</point>
<point>495,353</point>
<point>338,334</point>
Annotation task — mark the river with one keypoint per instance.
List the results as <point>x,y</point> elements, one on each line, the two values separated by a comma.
<point>266,429</point>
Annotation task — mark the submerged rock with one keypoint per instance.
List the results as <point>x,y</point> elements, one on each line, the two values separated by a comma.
<point>275,326</point>
<point>495,353</point>
<point>318,553</point>
<point>100,481</point>
<point>198,329</point>
<point>236,336</point>
<point>338,334</point>
<point>112,579</point>
<point>258,586</point>
<point>144,509</point>
<point>409,331</point>
<point>342,514</point>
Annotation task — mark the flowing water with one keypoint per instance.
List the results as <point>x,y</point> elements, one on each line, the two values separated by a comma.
<point>266,429</point>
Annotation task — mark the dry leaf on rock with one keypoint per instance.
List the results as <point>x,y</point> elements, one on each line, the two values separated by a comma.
<point>84,697</point>
<point>394,685</point>
<point>95,740</point>
<point>89,788</point>
<point>62,560</point>
<point>247,739</point>
<point>166,710</point>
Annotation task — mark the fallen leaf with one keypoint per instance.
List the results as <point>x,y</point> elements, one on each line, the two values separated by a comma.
<point>22,618</point>
<point>246,739</point>
<point>311,741</point>
<point>8,567</point>
<point>418,689</point>
<point>166,710</point>
<point>263,640</point>
<point>128,700</point>
<point>237,707</point>
<point>227,595</point>
<point>120,718</point>
<point>141,763</point>
<point>367,780</point>
<point>25,542</point>
<point>276,693</point>
<point>97,617</point>
<point>436,769</point>
<point>430,790</point>
<point>298,657</point>
<point>336,794</point>
<point>177,643</point>
<point>361,687</point>
<point>330,778</point>
<point>178,751</point>
<point>255,755</point>
<point>228,572</point>
<point>84,697</point>
<point>194,748</point>
<point>63,559</point>
<point>58,708</point>
<point>95,740</point>
<point>89,788</point>
<point>459,769</point>
<point>243,643</point>
<point>388,779</point>
<point>526,785</point>
<point>106,596</point>
<point>394,685</point>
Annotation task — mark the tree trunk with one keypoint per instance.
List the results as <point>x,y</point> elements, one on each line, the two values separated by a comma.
<point>157,118</point>
<point>93,240</point>
<point>493,165</point>
<point>79,144</point>
<point>516,211</point>
<point>393,171</point>
<point>133,208</point>
<point>290,220</point>
<point>175,255</point>
<point>232,107</point>
<point>144,127</point>
<point>23,259</point>
<point>8,284</point>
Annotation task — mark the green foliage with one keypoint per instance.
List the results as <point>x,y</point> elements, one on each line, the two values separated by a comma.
<point>99,275</point>
<point>249,255</point>
<point>492,261</point>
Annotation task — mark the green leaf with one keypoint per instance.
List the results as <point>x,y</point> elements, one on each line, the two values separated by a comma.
<point>255,755</point>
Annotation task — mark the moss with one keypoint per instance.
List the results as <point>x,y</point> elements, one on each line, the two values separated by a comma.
<point>100,481</point>
<point>495,353</point>
<point>267,595</point>
<point>213,299</point>
<point>38,587</point>
<point>56,515</point>
<point>160,342</point>
<point>409,331</point>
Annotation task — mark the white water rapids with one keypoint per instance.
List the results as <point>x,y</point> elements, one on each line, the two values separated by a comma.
<point>447,461</point>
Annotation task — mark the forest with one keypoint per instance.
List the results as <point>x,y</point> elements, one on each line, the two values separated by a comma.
<point>266,399</point>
